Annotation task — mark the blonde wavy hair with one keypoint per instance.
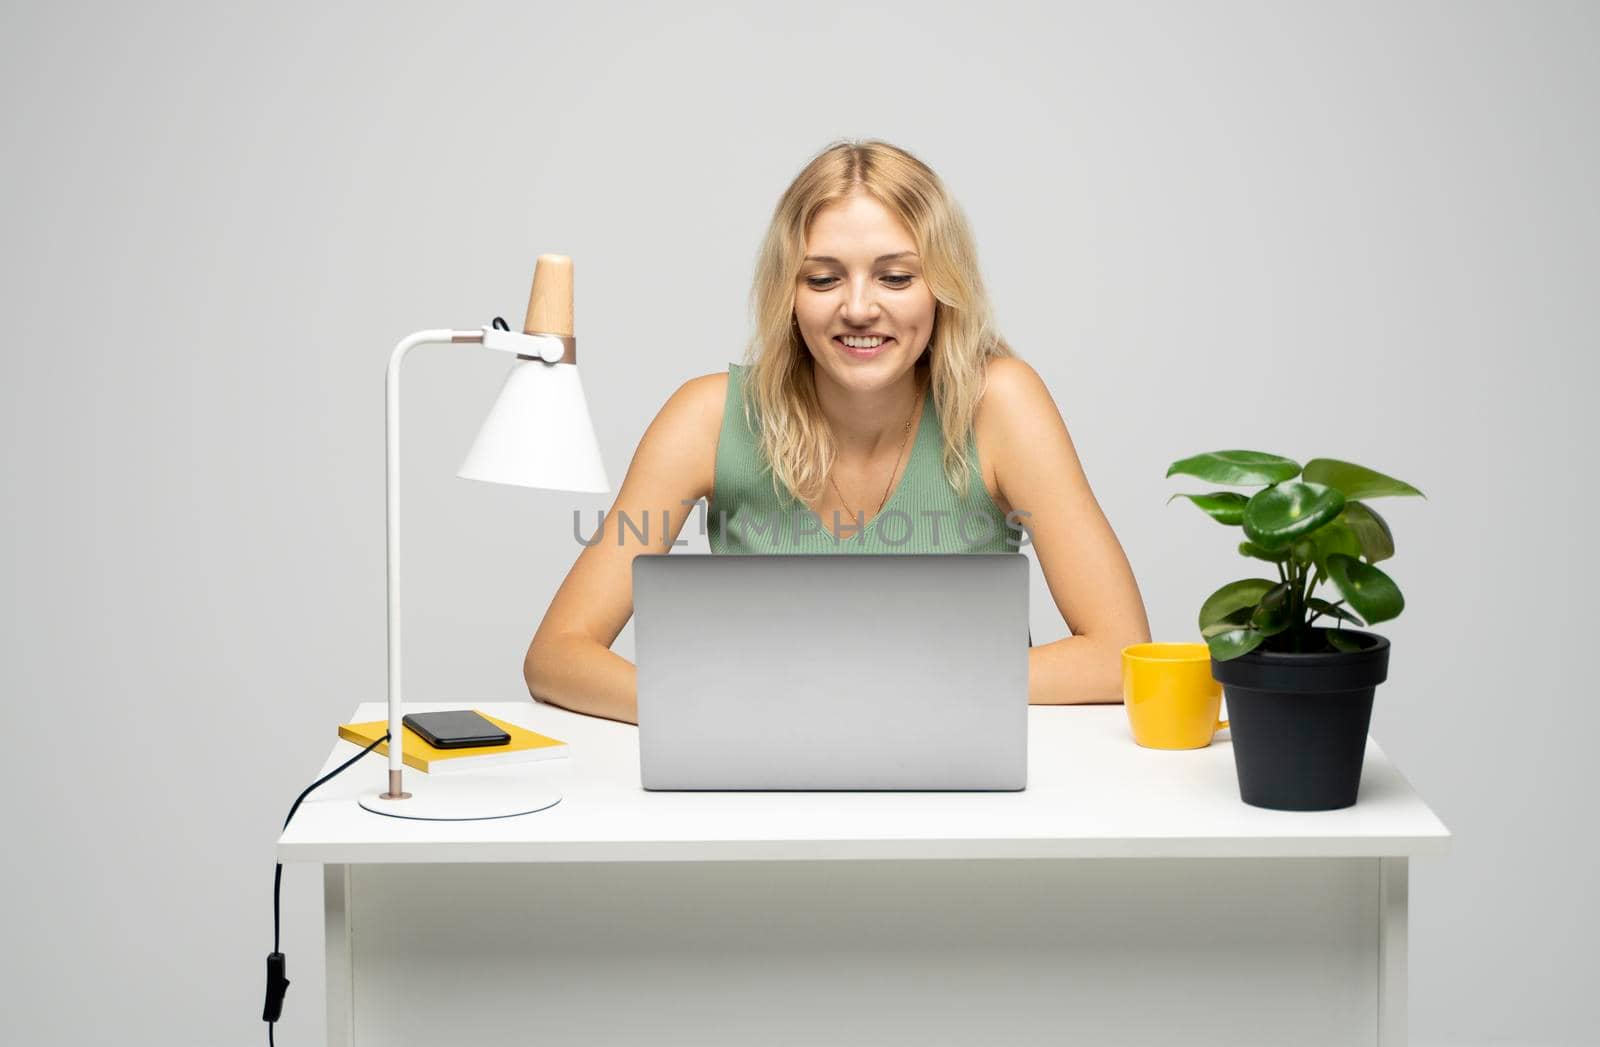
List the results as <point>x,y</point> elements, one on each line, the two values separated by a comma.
<point>779,378</point>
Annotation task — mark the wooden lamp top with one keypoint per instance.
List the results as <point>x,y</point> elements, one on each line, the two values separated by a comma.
<point>550,301</point>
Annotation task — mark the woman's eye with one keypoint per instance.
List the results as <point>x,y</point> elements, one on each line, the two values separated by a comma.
<point>822,283</point>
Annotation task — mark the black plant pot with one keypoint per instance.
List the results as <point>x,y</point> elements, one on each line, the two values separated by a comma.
<point>1299,722</point>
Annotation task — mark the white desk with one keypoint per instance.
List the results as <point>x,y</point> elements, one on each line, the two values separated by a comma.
<point>1126,897</point>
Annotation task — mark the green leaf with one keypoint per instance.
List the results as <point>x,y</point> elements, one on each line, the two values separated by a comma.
<point>1245,593</point>
<point>1233,643</point>
<point>1225,507</point>
<point>1368,590</point>
<point>1335,536</point>
<point>1277,516</point>
<point>1354,481</point>
<point>1237,620</point>
<point>1272,614</point>
<point>1341,642</point>
<point>1237,467</point>
<point>1253,550</point>
<point>1371,531</point>
<point>1319,604</point>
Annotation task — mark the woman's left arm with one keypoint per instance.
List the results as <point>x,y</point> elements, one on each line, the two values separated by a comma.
<point>1038,473</point>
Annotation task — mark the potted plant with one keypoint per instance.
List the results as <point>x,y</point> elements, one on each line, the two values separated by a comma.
<point>1299,695</point>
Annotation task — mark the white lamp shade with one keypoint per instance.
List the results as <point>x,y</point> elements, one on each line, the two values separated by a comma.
<point>538,434</point>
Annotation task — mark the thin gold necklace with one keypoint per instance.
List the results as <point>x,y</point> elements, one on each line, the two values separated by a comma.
<point>905,435</point>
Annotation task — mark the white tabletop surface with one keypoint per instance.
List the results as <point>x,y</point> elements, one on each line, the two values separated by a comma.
<point>1092,793</point>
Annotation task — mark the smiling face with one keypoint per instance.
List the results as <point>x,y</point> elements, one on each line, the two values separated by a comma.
<point>864,310</point>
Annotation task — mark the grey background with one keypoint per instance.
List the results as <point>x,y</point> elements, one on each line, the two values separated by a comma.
<point>1367,231</point>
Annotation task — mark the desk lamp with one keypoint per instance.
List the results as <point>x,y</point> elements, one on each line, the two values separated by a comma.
<point>538,434</point>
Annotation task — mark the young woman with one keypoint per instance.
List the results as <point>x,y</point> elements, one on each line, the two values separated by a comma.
<point>878,410</point>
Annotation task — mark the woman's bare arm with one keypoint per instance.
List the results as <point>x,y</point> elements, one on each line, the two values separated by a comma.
<point>1038,472</point>
<point>570,662</point>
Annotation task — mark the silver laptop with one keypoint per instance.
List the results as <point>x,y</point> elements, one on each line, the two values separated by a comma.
<point>796,671</point>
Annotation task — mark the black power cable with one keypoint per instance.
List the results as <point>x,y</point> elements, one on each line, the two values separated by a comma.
<point>277,982</point>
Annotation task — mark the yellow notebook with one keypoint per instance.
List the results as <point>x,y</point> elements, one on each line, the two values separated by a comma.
<point>525,746</point>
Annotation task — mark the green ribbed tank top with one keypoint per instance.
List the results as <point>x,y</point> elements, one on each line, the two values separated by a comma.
<point>922,515</point>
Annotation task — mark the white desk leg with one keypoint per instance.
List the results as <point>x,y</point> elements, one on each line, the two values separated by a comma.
<point>1393,889</point>
<point>336,947</point>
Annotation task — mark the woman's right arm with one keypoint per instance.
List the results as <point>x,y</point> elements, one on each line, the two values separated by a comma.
<point>570,662</point>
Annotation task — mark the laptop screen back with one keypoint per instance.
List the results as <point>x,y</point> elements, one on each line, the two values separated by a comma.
<point>883,671</point>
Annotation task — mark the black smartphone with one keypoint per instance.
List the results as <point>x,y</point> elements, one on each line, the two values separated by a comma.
<point>455,729</point>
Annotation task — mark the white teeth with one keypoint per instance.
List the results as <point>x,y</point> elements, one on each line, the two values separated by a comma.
<point>861,343</point>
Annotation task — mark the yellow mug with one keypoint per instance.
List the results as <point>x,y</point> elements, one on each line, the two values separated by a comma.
<point>1172,699</point>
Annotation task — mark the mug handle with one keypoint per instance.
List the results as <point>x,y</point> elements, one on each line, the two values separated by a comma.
<point>1222,725</point>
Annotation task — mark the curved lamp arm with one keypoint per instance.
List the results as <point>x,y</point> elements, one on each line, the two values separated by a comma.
<point>391,415</point>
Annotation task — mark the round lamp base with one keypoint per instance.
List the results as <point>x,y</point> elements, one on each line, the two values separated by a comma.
<point>468,798</point>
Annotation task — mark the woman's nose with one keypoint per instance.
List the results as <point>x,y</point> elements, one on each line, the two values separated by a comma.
<point>861,303</point>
